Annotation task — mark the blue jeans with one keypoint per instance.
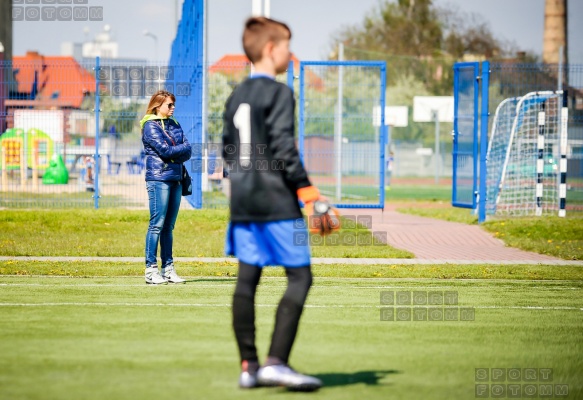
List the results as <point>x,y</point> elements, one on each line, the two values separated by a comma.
<point>164,200</point>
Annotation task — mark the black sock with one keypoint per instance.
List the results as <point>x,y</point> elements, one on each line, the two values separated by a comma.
<point>250,366</point>
<point>289,312</point>
<point>244,311</point>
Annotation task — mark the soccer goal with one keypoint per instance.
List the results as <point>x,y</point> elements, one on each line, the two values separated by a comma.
<point>526,159</point>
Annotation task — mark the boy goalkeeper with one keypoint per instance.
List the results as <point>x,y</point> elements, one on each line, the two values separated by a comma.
<point>267,178</point>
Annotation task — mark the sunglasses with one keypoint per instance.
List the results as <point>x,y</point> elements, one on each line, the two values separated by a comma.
<point>171,105</point>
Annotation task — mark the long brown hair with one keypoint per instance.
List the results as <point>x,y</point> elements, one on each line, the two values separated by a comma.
<point>157,100</point>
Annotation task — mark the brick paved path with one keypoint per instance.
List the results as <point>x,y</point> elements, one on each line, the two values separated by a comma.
<point>432,239</point>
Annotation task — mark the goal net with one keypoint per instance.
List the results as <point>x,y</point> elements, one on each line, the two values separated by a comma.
<point>523,176</point>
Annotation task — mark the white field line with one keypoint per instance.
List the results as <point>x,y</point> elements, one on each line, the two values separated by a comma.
<point>84,304</point>
<point>316,287</point>
<point>196,279</point>
<point>315,260</point>
<point>501,283</point>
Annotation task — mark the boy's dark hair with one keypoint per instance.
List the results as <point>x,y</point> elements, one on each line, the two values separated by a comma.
<point>258,32</point>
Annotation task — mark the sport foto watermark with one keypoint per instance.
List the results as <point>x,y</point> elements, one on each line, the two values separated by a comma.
<point>246,157</point>
<point>198,165</point>
<point>424,306</point>
<point>138,81</point>
<point>517,383</point>
<point>356,231</point>
<point>55,10</point>
<point>376,238</point>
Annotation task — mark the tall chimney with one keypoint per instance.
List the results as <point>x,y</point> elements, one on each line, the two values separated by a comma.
<point>555,34</point>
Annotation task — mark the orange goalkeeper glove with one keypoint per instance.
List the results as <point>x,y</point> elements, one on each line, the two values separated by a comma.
<point>322,217</point>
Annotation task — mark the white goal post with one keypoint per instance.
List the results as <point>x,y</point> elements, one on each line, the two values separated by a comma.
<point>526,158</point>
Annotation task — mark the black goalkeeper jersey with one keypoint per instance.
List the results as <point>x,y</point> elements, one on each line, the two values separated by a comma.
<point>260,152</point>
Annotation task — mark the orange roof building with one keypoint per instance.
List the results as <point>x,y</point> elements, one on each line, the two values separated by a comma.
<point>50,81</point>
<point>238,66</point>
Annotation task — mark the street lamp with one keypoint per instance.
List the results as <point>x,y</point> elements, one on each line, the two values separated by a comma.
<point>148,33</point>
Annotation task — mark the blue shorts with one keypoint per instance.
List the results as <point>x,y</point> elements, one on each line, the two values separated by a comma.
<point>283,243</point>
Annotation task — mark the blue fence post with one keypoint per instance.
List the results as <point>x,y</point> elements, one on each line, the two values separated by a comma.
<point>454,133</point>
<point>290,75</point>
<point>97,105</point>
<point>466,94</point>
<point>187,60</point>
<point>475,150</point>
<point>301,116</point>
<point>484,141</point>
<point>198,135</point>
<point>383,129</point>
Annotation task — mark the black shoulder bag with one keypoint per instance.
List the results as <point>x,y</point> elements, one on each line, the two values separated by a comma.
<point>186,182</point>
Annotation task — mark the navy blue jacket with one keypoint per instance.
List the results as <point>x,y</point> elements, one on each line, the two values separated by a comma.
<point>163,157</point>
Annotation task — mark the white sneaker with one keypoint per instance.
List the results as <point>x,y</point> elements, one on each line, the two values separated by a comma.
<point>169,274</point>
<point>248,377</point>
<point>153,276</point>
<point>247,380</point>
<point>284,375</point>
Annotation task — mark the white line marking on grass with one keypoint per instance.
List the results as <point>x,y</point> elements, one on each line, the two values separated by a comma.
<point>81,304</point>
<point>193,279</point>
<point>231,284</point>
<point>528,307</point>
<point>84,304</point>
<point>50,285</point>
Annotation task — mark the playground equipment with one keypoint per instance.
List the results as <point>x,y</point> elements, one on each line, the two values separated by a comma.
<point>23,150</point>
<point>57,172</point>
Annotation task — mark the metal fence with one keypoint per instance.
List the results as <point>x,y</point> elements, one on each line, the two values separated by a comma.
<point>465,138</point>
<point>341,145</point>
<point>70,134</point>
<point>57,151</point>
<point>503,84</point>
<point>70,131</point>
<point>509,80</point>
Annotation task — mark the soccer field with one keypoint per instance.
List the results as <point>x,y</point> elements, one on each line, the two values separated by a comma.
<point>117,338</point>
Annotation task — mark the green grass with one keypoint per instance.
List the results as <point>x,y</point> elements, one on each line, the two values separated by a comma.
<point>86,269</point>
<point>61,200</point>
<point>419,193</point>
<point>119,232</point>
<point>94,330</point>
<point>215,199</point>
<point>554,236</point>
<point>575,197</point>
<point>355,193</point>
<point>117,338</point>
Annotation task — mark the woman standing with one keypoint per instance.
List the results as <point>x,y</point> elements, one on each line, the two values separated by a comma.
<point>166,150</point>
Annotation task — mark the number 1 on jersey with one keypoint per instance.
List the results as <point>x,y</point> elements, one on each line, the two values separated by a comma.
<point>242,121</point>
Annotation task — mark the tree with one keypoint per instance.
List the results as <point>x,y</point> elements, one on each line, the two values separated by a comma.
<point>408,27</point>
<point>418,28</point>
<point>219,90</point>
<point>420,43</point>
<point>468,34</point>
<point>419,39</point>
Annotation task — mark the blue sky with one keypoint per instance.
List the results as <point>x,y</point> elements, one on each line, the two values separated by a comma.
<point>312,22</point>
